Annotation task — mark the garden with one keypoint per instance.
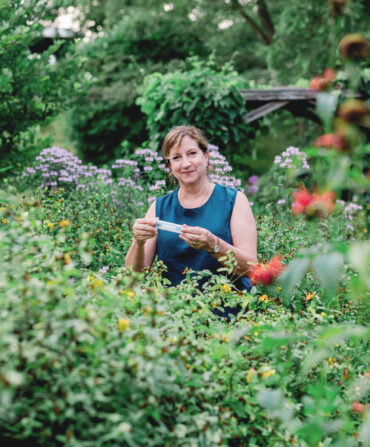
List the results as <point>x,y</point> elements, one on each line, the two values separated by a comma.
<point>95,354</point>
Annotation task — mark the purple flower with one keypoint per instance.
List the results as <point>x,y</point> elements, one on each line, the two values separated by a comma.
<point>253,179</point>
<point>280,202</point>
<point>104,269</point>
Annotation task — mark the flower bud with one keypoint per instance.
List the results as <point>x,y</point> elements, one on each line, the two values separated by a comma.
<point>353,46</point>
<point>354,111</point>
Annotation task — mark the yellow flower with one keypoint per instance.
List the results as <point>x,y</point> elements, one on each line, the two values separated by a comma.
<point>50,282</point>
<point>225,288</point>
<point>323,314</point>
<point>255,333</point>
<point>4,221</point>
<point>123,324</point>
<point>268,373</point>
<point>50,225</point>
<point>310,296</point>
<point>365,230</point>
<point>61,189</point>
<point>250,375</point>
<point>264,299</point>
<point>97,283</point>
<point>278,288</point>
<point>19,220</point>
<point>225,338</point>
<point>131,294</point>
<point>64,223</point>
<point>331,360</point>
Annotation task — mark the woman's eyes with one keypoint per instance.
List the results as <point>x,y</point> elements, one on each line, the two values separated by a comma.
<point>191,154</point>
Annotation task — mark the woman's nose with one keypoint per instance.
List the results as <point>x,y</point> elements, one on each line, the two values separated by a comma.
<point>185,161</point>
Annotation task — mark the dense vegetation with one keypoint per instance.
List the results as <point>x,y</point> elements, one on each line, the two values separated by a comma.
<point>93,354</point>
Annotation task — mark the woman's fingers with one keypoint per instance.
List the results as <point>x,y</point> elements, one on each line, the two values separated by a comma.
<point>144,229</point>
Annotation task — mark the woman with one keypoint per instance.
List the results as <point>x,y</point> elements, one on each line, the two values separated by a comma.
<point>216,219</point>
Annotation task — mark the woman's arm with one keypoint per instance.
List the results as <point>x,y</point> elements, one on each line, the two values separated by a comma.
<point>243,233</point>
<point>142,251</point>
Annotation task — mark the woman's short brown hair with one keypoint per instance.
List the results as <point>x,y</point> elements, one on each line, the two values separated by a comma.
<point>175,136</point>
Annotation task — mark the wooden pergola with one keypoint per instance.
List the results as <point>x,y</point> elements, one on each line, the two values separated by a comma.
<point>299,101</point>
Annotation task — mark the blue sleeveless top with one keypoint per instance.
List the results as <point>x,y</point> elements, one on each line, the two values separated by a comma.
<point>214,215</point>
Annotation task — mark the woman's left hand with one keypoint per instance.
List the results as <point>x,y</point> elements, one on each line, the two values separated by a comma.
<point>198,237</point>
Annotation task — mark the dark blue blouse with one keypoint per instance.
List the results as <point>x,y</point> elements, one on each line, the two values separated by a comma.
<point>214,215</point>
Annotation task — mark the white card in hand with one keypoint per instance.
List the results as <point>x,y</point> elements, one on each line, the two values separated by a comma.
<point>168,226</point>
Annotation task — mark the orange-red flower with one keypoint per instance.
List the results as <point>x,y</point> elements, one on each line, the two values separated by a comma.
<point>266,273</point>
<point>330,141</point>
<point>357,407</point>
<point>324,81</point>
<point>314,204</point>
<point>330,74</point>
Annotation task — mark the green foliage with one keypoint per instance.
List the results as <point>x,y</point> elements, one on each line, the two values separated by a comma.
<point>307,35</point>
<point>119,60</point>
<point>202,96</point>
<point>32,89</point>
<point>115,358</point>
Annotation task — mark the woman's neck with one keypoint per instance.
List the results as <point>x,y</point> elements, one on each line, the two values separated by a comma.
<point>195,190</point>
<point>195,195</point>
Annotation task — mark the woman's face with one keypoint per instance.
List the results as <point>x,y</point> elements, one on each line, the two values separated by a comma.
<point>188,162</point>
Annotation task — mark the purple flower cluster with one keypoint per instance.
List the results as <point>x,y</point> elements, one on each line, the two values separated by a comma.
<point>292,158</point>
<point>221,169</point>
<point>147,172</point>
<point>252,186</point>
<point>349,211</point>
<point>58,167</point>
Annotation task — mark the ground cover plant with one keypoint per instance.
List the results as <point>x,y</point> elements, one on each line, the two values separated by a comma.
<point>93,354</point>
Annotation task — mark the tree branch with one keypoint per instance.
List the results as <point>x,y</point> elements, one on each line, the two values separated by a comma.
<point>253,24</point>
<point>265,17</point>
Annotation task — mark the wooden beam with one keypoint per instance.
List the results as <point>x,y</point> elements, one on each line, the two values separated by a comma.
<point>288,94</point>
<point>280,94</point>
<point>264,110</point>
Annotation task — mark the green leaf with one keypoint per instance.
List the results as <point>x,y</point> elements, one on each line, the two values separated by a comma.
<point>326,105</point>
<point>328,268</point>
<point>292,275</point>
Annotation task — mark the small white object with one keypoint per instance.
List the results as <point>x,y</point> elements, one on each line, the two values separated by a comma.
<point>168,226</point>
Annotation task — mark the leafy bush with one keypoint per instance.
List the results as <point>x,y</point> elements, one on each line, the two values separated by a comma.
<point>116,358</point>
<point>119,60</point>
<point>202,96</point>
<point>32,89</point>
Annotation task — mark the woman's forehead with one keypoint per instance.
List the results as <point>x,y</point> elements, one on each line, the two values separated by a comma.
<point>186,144</point>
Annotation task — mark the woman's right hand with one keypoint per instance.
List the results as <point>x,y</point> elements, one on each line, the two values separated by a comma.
<point>144,229</point>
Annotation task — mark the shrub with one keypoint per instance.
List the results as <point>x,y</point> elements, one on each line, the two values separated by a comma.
<point>201,96</point>
<point>114,359</point>
<point>32,89</point>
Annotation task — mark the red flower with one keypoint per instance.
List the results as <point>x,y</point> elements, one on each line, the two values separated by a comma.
<point>266,273</point>
<point>323,82</point>
<point>315,204</point>
<point>319,83</point>
<point>330,141</point>
<point>330,74</point>
<point>357,407</point>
